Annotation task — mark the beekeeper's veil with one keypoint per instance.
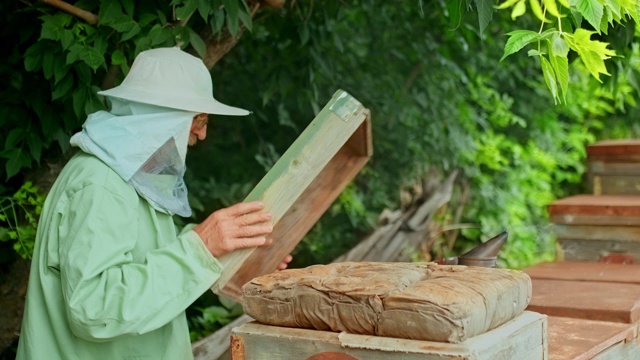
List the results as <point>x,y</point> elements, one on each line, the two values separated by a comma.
<point>144,137</point>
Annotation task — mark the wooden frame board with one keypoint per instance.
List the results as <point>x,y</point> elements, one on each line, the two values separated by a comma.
<point>586,271</point>
<point>524,337</point>
<point>623,150</point>
<point>603,301</point>
<point>301,185</point>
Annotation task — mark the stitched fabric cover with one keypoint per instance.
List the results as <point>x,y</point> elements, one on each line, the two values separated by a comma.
<point>421,301</point>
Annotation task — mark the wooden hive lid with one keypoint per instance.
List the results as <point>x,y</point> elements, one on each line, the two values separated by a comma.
<point>603,301</point>
<point>623,150</point>
<point>302,185</point>
<point>586,271</point>
<point>596,210</point>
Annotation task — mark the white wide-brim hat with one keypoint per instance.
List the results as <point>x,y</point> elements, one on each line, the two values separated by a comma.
<point>171,78</point>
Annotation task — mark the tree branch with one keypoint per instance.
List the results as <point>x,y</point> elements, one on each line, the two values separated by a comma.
<point>82,14</point>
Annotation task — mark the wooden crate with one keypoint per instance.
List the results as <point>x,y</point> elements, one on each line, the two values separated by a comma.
<point>589,227</point>
<point>592,308</point>
<point>524,337</point>
<point>301,185</point>
<point>614,167</point>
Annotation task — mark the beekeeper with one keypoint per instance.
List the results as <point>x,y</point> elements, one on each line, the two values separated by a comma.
<point>110,277</point>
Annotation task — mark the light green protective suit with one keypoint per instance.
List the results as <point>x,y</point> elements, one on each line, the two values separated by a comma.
<point>110,277</point>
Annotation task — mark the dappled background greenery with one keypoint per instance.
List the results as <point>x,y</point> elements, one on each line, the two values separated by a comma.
<point>439,96</point>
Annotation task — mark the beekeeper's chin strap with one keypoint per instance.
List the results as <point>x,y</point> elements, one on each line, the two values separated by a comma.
<point>147,146</point>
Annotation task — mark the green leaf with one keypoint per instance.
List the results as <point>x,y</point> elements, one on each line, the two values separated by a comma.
<point>204,8</point>
<point>62,88</point>
<point>231,6</point>
<point>109,12</point>
<point>517,40</point>
<point>33,57</point>
<point>552,8</point>
<point>549,77</point>
<point>186,10</point>
<point>35,146</point>
<point>14,137</point>
<point>198,44</point>
<point>485,13</point>
<point>560,47</point>
<point>135,30</point>
<point>92,57</point>
<point>592,10</point>
<point>79,101</point>
<point>456,10</point>
<point>537,10</point>
<point>118,58</point>
<point>558,59</point>
<point>47,65</point>
<point>507,4</point>
<point>128,7</point>
<point>519,9</point>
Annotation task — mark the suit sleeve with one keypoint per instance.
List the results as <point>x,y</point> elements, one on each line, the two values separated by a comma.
<point>107,294</point>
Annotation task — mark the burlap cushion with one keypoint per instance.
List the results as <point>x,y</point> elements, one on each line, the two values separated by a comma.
<point>422,301</point>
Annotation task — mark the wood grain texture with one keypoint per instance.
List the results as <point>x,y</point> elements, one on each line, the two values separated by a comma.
<point>524,337</point>
<point>613,302</point>
<point>586,271</point>
<point>302,185</point>
<point>580,339</point>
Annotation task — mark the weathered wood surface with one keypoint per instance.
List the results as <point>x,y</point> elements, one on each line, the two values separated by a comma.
<point>589,250</point>
<point>602,184</point>
<point>524,337</point>
<point>586,271</point>
<point>302,185</point>
<point>597,232</point>
<point>614,302</point>
<point>580,339</point>
<point>216,345</point>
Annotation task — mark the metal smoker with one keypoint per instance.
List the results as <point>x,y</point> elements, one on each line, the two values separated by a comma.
<point>484,255</point>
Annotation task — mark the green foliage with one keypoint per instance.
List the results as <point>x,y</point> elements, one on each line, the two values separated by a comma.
<point>19,215</point>
<point>212,317</point>
<point>554,44</point>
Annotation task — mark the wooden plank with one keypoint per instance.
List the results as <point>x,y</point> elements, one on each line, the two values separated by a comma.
<point>599,167</point>
<point>519,338</point>
<point>614,302</point>
<point>589,250</point>
<point>302,185</point>
<point>597,232</point>
<point>586,271</point>
<point>594,205</point>
<point>580,339</point>
<point>579,219</point>
<point>618,147</point>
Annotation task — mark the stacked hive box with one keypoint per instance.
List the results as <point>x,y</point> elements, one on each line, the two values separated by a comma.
<point>604,225</point>
<point>614,167</point>
<point>593,309</point>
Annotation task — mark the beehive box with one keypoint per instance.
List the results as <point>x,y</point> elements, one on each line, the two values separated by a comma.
<point>590,227</point>
<point>301,185</point>
<point>614,167</point>
<point>593,309</point>
<point>522,338</point>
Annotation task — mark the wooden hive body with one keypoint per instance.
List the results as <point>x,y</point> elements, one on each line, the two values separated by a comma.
<point>614,167</point>
<point>302,184</point>
<point>590,227</point>
<point>593,309</point>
